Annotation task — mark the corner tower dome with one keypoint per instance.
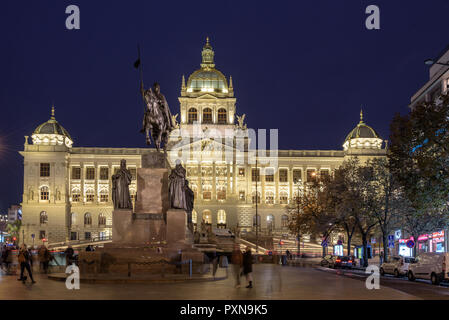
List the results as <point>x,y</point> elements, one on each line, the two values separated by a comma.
<point>207,79</point>
<point>362,137</point>
<point>51,133</point>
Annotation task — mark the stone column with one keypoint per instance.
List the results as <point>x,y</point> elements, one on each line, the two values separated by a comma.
<point>200,182</point>
<point>234,179</point>
<point>110,173</point>
<point>96,175</point>
<point>82,181</point>
<point>249,183</point>
<point>262,189</point>
<point>214,182</point>
<point>290,180</point>
<point>276,185</point>
<point>228,180</point>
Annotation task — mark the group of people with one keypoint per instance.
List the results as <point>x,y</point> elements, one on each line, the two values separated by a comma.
<point>242,265</point>
<point>25,260</point>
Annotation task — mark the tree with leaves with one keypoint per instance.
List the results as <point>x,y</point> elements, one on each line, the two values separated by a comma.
<point>419,161</point>
<point>14,229</point>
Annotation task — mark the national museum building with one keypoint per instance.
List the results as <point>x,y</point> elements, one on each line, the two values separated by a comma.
<point>67,189</point>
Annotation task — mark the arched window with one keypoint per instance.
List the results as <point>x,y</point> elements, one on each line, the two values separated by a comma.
<point>269,197</point>
<point>221,219</point>
<point>43,217</point>
<point>101,219</point>
<point>194,217</point>
<point>44,193</point>
<point>222,116</point>
<point>270,222</point>
<point>104,195</point>
<point>256,198</point>
<point>221,193</point>
<point>132,194</point>
<point>207,115</point>
<point>283,197</point>
<point>76,195</point>
<point>207,194</point>
<point>73,219</point>
<point>90,195</point>
<point>87,219</point>
<point>284,221</point>
<point>192,115</point>
<point>207,217</point>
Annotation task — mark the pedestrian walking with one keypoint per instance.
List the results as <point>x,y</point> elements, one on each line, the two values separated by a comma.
<point>248,266</point>
<point>69,252</point>
<point>44,258</point>
<point>6,257</point>
<point>237,263</point>
<point>24,260</point>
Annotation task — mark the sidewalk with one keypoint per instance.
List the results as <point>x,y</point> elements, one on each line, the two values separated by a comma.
<point>221,274</point>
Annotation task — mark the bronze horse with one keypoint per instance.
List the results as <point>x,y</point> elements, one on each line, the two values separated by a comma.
<point>154,122</point>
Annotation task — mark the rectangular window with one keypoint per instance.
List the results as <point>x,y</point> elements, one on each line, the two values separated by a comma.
<point>283,175</point>
<point>324,174</point>
<point>76,173</point>
<point>90,197</point>
<point>90,173</point>
<point>297,175</point>
<point>87,235</point>
<point>133,173</point>
<point>311,175</point>
<point>73,236</point>
<point>269,175</point>
<point>241,172</point>
<point>104,173</point>
<point>42,234</point>
<point>76,197</point>
<point>242,195</point>
<point>45,169</point>
<point>104,197</point>
<point>255,175</point>
<point>207,195</point>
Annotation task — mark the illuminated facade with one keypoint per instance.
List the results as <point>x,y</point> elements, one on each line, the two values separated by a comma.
<point>67,189</point>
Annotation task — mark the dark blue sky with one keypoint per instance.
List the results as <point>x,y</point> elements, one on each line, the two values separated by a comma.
<point>304,67</point>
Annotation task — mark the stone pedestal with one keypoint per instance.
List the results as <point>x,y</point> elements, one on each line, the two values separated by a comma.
<point>177,231</point>
<point>122,225</point>
<point>152,190</point>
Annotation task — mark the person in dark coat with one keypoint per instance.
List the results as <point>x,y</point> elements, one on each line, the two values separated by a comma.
<point>69,252</point>
<point>24,258</point>
<point>248,266</point>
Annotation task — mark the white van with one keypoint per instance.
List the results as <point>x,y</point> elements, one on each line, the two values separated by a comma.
<point>431,266</point>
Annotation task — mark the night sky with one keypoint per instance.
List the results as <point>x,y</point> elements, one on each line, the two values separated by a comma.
<point>304,67</point>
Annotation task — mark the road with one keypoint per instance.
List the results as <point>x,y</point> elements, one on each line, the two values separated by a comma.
<point>270,282</point>
<point>421,289</point>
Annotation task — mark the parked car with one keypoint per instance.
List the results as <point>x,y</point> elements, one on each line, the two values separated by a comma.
<point>332,261</point>
<point>398,265</point>
<point>344,262</point>
<point>431,266</point>
<point>329,261</point>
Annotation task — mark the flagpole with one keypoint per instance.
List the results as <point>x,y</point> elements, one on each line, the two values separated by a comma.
<point>139,60</point>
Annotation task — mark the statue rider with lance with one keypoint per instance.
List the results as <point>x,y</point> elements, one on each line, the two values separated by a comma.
<point>157,119</point>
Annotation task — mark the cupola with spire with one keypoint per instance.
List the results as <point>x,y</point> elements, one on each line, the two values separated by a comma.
<point>362,137</point>
<point>51,133</point>
<point>207,79</point>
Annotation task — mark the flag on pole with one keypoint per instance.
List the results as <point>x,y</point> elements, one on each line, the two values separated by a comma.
<point>137,64</point>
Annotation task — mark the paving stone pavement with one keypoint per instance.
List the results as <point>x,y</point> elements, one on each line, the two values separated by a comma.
<point>270,282</point>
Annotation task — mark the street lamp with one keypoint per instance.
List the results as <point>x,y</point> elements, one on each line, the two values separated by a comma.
<point>431,62</point>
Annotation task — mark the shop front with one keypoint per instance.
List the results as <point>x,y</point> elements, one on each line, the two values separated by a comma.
<point>432,242</point>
